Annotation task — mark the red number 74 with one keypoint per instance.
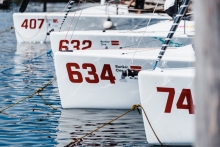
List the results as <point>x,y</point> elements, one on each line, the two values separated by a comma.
<point>186,93</point>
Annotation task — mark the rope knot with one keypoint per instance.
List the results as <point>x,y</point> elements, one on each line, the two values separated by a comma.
<point>135,106</point>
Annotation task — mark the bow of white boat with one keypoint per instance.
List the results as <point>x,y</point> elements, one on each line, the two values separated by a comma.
<point>167,96</point>
<point>84,40</point>
<point>30,27</point>
<point>93,78</point>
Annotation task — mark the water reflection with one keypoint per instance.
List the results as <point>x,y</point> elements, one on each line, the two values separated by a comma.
<point>74,123</point>
<point>31,122</point>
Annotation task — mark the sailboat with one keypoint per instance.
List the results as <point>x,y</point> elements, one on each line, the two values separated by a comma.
<point>168,99</point>
<point>93,78</point>
<point>108,79</point>
<point>5,4</point>
<point>148,37</point>
<point>36,27</point>
<point>152,34</point>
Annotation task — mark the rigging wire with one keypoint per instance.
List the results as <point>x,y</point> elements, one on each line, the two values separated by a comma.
<point>143,33</point>
<point>72,19</point>
<point>77,21</point>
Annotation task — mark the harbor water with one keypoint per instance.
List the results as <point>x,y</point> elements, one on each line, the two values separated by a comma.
<point>34,123</point>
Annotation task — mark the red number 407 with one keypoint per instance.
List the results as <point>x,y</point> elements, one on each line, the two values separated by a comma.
<point>32,23</point>
<point>76,76</point>
<point>185,94</point>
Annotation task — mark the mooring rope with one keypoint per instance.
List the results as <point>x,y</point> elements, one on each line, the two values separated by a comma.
<point>150,125</point>
<point>7,30</point>
<point>30,96</point>
<point>38,94</point>
<point>134,107</point>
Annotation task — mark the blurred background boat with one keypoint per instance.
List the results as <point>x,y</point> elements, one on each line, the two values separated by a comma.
<point>5,4</point>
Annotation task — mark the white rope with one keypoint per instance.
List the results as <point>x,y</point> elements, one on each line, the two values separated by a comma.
<point>143,33</point>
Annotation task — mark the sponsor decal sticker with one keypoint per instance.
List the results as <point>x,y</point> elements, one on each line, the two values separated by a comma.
<point>186,26</point>
<point>115,42</point>
<point>55,20</point>
<point>136,68</point>
<point>104,42</point>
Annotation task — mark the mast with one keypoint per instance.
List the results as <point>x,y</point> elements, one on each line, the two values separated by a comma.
<point>178,18</point>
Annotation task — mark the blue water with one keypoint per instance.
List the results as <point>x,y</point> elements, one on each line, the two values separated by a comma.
<point>32,122</point>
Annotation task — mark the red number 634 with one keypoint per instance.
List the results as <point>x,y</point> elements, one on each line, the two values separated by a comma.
<point>76,76</point>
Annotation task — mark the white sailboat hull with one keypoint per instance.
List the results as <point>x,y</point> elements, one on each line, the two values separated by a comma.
<point>33,27</point>
<point>115,39</point>
<point>168,100</point>
<point>92,78</point>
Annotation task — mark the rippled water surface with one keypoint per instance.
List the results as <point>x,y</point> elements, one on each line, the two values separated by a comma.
<point>32,122</point>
